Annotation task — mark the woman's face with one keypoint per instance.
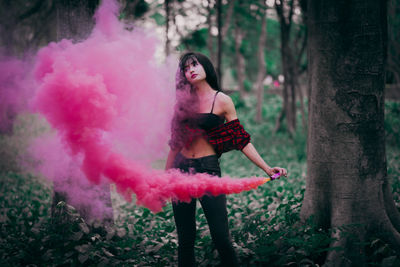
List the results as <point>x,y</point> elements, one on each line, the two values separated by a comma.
<point>194,71</point>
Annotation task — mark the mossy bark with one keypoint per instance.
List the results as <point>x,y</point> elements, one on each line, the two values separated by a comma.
<point>346,185</point>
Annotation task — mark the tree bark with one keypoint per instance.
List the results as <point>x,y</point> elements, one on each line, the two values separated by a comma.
<point>228,17</point>
<point>22,27</point>
<point>167,15</point>
<point>219,47</point>
<point>301,37</point>
<point>210,38</point>
<point>346,185</point>
<point>288,67</point>
<point>74,21</point>
<point>393,41</point>
<point>261,62</point>
<point>240,66</point>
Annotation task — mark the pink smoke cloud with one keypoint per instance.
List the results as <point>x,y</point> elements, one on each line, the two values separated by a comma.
<point>111,104</point>
<point>15,90</point>
<point>67,177</point>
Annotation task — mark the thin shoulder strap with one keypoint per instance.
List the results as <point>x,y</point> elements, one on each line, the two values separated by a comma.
<point>212,108</point>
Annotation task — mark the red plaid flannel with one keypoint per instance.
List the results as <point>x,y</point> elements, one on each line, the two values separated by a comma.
<point>228,136</point>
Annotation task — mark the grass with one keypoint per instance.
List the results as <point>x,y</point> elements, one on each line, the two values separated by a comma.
<point>264,222</point>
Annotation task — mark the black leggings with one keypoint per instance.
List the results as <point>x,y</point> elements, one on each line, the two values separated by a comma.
<point>214,209</point>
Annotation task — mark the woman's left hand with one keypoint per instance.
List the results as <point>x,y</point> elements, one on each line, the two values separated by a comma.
<point>275,170</point>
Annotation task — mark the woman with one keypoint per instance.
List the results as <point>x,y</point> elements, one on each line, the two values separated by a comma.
<point>199,136</point>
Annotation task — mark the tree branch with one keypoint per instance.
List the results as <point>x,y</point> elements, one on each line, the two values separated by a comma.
<point>33,10</point>
<point>290,17</point>
<point>302,49</point>
<point>228,18</point>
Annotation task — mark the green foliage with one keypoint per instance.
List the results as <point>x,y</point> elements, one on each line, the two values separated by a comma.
<point>273,52</point>
<point>24,210</point>
<point>141,8</point>
<point>392,123</point>
<point>197,40</point>
<point>264,223</point>
<point>158,18</point>
<point>25,127</point>
<point>248,85</point>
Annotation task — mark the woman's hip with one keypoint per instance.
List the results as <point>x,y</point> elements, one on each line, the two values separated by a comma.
<point>207,164</point>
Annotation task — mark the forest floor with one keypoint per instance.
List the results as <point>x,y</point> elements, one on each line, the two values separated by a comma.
<point>264,223</point>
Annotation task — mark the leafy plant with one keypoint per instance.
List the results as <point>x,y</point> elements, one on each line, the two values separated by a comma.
<point>264,223</point>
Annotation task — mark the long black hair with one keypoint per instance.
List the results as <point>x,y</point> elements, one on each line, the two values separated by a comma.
<point>187,102</point>
<point>211,74</point>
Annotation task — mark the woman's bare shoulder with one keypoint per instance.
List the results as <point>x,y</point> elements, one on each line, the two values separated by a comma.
<point>227,106</point>
<point>225,99</point>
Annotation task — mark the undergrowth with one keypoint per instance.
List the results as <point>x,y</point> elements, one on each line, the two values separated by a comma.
<point>264,223</point>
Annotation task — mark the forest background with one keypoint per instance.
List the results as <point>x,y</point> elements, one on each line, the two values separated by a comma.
<point>260,50</point>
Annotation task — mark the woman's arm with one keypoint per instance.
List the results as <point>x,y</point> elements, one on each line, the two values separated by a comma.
<point>170,159</point>
<point>249,150</point>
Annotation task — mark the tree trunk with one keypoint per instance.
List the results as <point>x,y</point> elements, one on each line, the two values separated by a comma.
<point>167,15</point>
<point>240,67</point>
<point>393,41</point>
<point>288,67</point>
<point>346,186</point>
<point>228,17</point>
<point>210,38</point>
<point>301,37</point>
<point>8,20</point>
<point>289,88</point>
<point>219,47</point>
<point>13,44</point>
<point>74,21</point>
<point>261,62</point>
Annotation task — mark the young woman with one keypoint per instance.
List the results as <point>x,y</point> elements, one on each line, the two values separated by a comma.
<point>199,136</point>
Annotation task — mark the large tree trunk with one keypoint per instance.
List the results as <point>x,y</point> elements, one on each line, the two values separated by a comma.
<point>8,20</point>
<point>22,28</point>
<point>74,18</point>
<point>74,21</point>
<point>347,182</point>
<point>393,65</point>
<point>261,62</point>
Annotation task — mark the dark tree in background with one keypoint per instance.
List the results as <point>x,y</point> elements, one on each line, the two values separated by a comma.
<point>240,62</point>
<point>394,40</point>
<point>219,41</point>
<point>291,60</point>
<point>347,186</point>
<point>26,25</point>
<point>74,18</point>
<point>167,8</point>
<point>74,21</point>
<point>261,61</point>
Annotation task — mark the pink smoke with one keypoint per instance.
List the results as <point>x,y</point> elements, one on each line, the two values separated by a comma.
<point>15,90</point>
<point>67,177</point>
<point>111,104</point>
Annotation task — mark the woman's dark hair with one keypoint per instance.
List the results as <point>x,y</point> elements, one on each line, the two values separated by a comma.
<point>211,74</point>
<point>187,101</point>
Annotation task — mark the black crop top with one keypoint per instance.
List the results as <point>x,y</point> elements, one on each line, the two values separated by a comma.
<point>205,121</point>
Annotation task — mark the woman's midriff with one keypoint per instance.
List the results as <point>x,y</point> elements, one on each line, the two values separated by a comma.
<point>199,147</point>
